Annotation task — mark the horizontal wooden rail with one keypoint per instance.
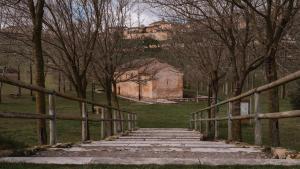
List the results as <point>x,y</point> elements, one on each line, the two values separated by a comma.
<point>211,124</point>
<point>21,84</point>
<point>120,116</point>
<point>17,115</point>
<point>284,80</point>
<point>24,115</point>
<point>279,115</point>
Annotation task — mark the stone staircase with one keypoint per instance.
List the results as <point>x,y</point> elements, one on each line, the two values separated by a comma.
<point>174,146</point>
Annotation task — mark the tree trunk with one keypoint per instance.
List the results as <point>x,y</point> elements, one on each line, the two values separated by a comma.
<point>19,78</point>
<point>70,86</point>
<point>1,85</point>
<point>209,114</point>
<point>108,115</point>
<point>31,77</point>
<point>236,111</point>
<point>37,12</point>
<point>81,93</point>
<point>116,104</point>
<point>64,84</point>
<point>273,101</point>
<point>59,82</point>
<point>214,93</point>
<point>197,94</point>
<point>93,96</point>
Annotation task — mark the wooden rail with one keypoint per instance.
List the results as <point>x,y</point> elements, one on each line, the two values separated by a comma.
<point>126,116</point>
<point>197,117</point>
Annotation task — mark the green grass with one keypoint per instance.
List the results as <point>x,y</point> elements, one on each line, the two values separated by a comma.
<point>17,133</point>
<point>26,166</point>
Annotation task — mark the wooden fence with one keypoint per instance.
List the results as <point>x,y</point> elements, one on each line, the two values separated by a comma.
<point>128,117</point>
<point>197,117</point>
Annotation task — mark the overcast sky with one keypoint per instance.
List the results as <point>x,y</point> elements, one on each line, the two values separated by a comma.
<point>147,16</point>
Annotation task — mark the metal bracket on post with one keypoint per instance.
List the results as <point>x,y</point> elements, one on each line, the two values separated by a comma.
<point>52,122</point>
<point>258,133</point>
<point>229,121</point>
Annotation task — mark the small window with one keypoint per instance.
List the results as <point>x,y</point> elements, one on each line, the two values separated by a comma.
<point>167,81</point>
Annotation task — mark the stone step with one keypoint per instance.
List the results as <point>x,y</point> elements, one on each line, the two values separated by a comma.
<point>156,139</point>
<point>164,135</point>
<point>158,145</point>
<point>155,146</point>
<point>159,137</point>
<point>161,142</point>
<point>165,149</point>
<point>148,161</point>
<point>164,129</point>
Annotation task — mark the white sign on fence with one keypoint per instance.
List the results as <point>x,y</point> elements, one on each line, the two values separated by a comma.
<point>245,108</point>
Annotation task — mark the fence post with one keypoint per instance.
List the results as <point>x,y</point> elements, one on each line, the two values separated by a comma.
<point>216,123</point>
<point>115,122</point>
<point>84,123</point>
<point>132,122</point>
<point>207,124</point>
<point>216,129</point>
<point>129,121</point>
<point>229,121</point>
<point>135,121</point>
<point>200,122</point>
<point>102,116</point>
<point>195,121</point>
<point>122,114</point>
<point>258,136</point>
<point>191,121</point>
<point>52,122</point>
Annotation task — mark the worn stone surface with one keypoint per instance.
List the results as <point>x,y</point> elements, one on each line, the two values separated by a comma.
<point>151,146</point>
<point>279,153</point>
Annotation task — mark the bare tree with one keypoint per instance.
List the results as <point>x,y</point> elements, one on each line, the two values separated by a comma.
<point>72,29</point>
<point>111,51</point>
<point>205,55</point>
<point>232,26</point>
<point>72,32</point>
<point>272,20</point>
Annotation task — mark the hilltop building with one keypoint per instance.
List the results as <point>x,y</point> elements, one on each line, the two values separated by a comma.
<point>159,31</point>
